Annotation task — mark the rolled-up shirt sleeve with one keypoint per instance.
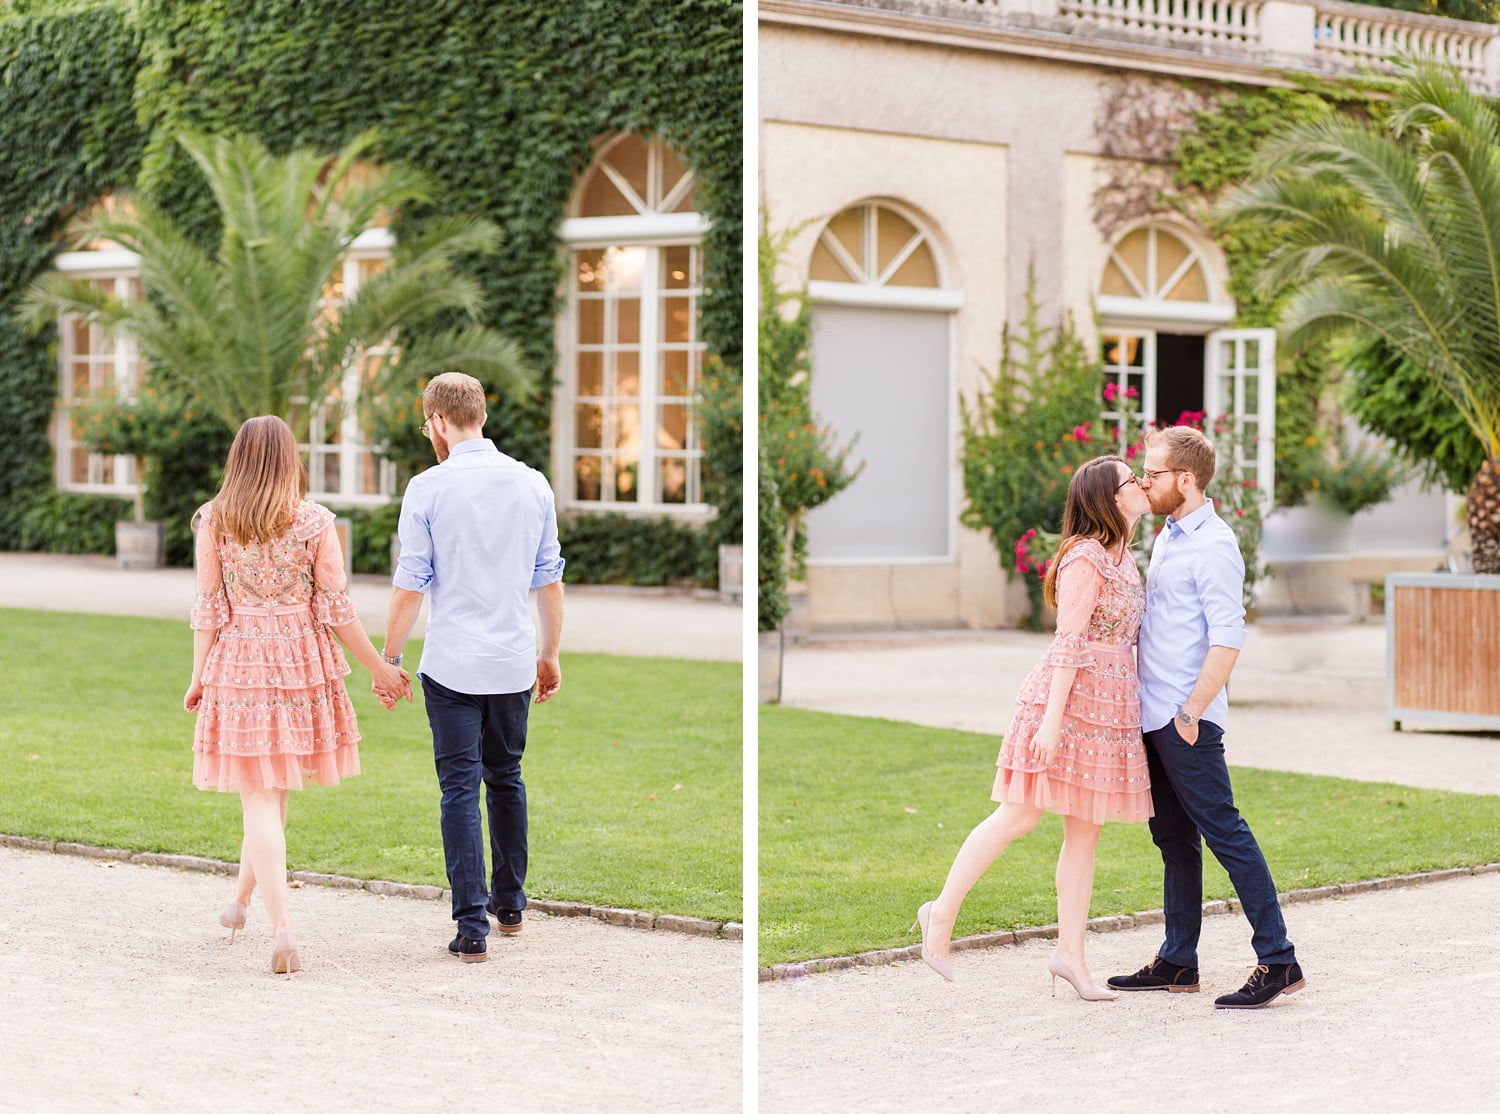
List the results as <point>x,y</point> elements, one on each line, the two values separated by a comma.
<point>414,569</point>
<point>548,567</point>
<point>1220,577</point>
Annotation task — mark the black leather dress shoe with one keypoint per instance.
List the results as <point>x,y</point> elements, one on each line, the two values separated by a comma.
<point>470,951</point>
<point>509,919</point>
<point>1159,975</point>
<point>1266,983</point>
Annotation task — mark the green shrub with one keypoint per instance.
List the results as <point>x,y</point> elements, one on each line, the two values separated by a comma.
<point>616,549</point>
<point>72,522</point>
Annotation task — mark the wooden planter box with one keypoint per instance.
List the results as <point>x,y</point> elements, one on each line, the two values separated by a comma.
<point>1443,650</point>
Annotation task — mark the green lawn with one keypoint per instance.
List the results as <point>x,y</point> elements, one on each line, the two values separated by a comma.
<point>860,819</point>
<point>632,771</point>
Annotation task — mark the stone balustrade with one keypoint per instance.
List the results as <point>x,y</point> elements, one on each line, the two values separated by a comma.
<point>1330,36</point>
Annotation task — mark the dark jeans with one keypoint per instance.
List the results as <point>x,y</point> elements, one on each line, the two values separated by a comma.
<point>1191,792</point>
<point>474,739</point>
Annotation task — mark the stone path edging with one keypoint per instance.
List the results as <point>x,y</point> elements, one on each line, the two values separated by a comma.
<point>626,918</point>
<point>882,956</point>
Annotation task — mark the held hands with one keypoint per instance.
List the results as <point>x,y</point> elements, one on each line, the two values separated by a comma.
<point>548,679</point>
<point>1047,739</point>
<point>390,684</point>
<point>193,697</point>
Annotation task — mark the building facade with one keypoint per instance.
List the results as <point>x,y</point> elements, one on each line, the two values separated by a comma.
<point>937,159</point>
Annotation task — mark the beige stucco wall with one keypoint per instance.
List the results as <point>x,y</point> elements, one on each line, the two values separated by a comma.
<point>999,155</point>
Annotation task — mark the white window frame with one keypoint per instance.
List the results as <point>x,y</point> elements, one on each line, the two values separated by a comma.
<point>653,232</point>
<point>1264,372</point>
<point>121,267</point>
<point>372,245</point>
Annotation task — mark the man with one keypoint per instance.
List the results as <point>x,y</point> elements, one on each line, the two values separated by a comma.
<point>478,531</point>
<point>1191,634</point>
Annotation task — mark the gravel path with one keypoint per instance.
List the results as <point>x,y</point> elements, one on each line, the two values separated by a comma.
<point>119,991</point>
<point>1400,1013</point>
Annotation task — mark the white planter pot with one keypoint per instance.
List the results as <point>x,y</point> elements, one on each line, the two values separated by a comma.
<point>731,573</point>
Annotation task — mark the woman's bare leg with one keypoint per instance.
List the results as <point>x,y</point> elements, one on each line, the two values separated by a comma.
<point>989,838</point>
<point>1075,890</point>
<point>265,849</point>
<point>244,884</point>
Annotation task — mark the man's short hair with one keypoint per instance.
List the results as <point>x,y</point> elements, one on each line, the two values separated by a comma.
<point>457,397</point>
<point>1187,451</point>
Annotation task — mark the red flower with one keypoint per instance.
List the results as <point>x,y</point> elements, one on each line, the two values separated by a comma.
<point>1081,432</point>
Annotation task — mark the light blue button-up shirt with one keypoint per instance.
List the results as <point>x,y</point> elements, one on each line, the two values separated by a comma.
<point>1193,601</point>
<point>479,531</point>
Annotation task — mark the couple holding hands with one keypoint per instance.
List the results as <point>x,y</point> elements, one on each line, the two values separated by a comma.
<point>479,532</point>
<point>1103,733</point>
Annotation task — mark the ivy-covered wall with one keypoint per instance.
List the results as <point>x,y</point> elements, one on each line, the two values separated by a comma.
<point>500,102</point>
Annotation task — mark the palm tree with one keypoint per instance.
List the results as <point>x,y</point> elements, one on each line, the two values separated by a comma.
<point>245,329</point>
<point>1390,232</point>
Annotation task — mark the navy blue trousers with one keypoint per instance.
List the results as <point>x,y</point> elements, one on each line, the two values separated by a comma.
<point>480,739</point>
<point>1195,804</point>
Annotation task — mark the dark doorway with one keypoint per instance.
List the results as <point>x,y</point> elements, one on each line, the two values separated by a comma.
<point>1179,376</point>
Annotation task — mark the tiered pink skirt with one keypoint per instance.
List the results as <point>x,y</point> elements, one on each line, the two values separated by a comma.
<point>275,712</point>
<point>1099,772</point>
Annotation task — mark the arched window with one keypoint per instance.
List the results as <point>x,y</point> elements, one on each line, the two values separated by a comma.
<point>882,372</point>
<point>1154,265</point>
<point>874,245</point>
<point>633,354</point>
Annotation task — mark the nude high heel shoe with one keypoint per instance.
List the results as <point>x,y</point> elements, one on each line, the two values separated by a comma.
<point>284,958</point>
<point>943,967</point>
<point>1090,993</point>
<point>233,918</point>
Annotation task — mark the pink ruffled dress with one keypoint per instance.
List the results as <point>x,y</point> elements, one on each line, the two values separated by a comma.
<point>274,710</point>
<point>1099,772</point>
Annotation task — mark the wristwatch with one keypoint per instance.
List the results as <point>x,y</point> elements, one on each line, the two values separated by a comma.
<point>391,660</point>
<point>1187,719</point>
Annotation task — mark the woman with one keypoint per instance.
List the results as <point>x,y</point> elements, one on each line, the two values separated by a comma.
<point>1074,745</point>
<point>267,681</point>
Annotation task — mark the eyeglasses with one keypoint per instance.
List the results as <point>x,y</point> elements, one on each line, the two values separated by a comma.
<point>425,429</point>
<point>1128,480</point>
<point>1148,476</point>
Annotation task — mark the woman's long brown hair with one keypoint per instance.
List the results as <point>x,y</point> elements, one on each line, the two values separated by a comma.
<point>264,482</point>
<point>1090,512</point>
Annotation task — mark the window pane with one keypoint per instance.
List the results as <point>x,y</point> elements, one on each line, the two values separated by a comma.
<point>677,320</point>
<point>677,267</point>
<point>628,321</point>
<point>1132,253</point>
<point>628,372</point>
<point>672,431</point>
<point>589,426</point>
<point>627,427</point>
<point>369,473</point>
<point>623,268</point>
<point>892,233</point>
<point>673,480</point>
<point>672,170</point>
<point>589,270</point>
<point>626,488</point>
<point>1115,284</point>
<point>1191,287</point>
<point>689,203</point>
<point>629,157</point>
<point>920,269</point>
<point>80,378</point>
<point>1252,396</point>
<point>331,466</point>
<point>369,268</point>
<point>675,368</point>
<point>601,199</point>
<point>825,268</point>
<point>80,338</point>
<point>590,374</point>
<point>586,478</point>
<point>106,469</point>
<point>1252,353</point>
<point>590,321</point>
<point>1170,254</point>
<point>848,229</point>
<point>80,462</point>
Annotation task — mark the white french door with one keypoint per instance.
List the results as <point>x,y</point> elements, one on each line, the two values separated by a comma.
<point>1241,383</point>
